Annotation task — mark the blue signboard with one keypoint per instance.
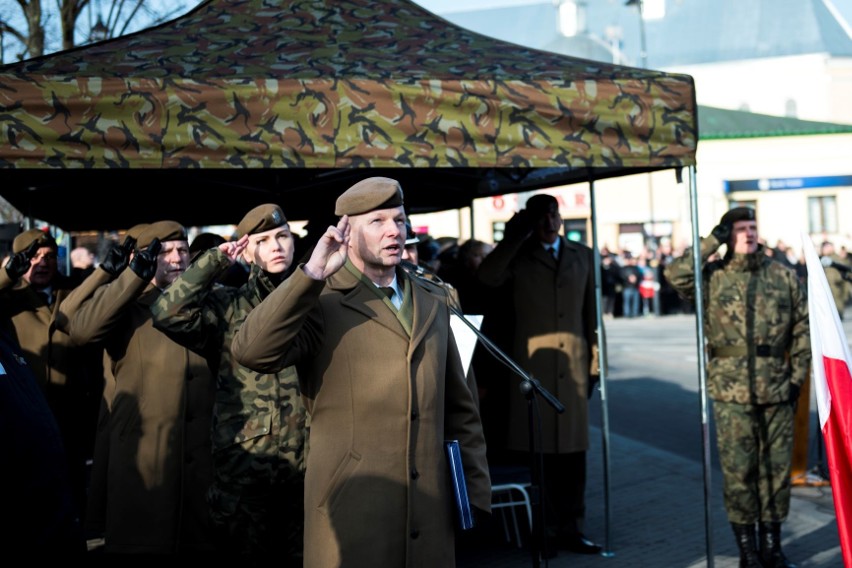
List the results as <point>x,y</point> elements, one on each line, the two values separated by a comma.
<point>774,184</point>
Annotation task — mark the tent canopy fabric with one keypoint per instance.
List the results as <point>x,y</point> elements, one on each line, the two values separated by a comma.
<point>291,101</point>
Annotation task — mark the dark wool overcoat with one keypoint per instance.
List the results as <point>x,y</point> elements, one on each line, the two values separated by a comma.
<point>553,302</point>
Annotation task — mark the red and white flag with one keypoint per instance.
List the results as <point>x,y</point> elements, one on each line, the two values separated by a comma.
<point>833,389</point>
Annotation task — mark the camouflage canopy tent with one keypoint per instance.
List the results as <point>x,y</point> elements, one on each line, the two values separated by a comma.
<point>241,102</point>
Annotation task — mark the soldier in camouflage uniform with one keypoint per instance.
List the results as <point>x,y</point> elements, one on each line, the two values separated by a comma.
<point>836,279</point>
<point>759,356</point>
<point>258,432</point>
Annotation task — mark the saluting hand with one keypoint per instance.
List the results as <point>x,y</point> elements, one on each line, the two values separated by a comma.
<point>331,251</point>
<point>118,257</point>
<point>233,249</point>
<point>20,263</point>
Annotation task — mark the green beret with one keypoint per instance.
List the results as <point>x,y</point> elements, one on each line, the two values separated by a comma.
<point>261,218</point>
<point>163,230</point>
<point>23,241</point>
<point>738,214</point>
<point>368,195</point>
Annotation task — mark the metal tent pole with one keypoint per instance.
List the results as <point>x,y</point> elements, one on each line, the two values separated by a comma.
<point>602,357</point>
<point>702,363</point>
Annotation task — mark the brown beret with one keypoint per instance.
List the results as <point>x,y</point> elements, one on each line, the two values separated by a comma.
<point>163,230</point>
<point>23,241</point>
<point>738,214</point>
<point>136,230</point>
<point>261,218</point>
<point>368,195</point>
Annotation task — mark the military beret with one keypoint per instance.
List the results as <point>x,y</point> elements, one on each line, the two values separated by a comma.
<point>136,230</point>
<point>368,195</point>
<point>738,214</point>
<point>23,241</point>
<point>261,218</point>
<point>163,230</point>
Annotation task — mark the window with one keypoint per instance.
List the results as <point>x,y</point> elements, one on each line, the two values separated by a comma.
<point>822,214</point>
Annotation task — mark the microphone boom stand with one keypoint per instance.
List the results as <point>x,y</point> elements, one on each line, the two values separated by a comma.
<point>529,387</point>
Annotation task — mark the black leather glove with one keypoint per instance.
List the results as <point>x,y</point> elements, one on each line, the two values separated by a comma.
<point>18,264</point>
<point>795,392</point>
<point>519,226</point>
<point>144,262</point>
<point>722,232</point>
<point>118,257</point>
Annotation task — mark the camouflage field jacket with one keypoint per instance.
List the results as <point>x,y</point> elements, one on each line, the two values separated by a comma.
<point>756,324</point>
<point>258,431</point>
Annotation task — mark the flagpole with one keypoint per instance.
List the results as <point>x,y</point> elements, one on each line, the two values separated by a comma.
<point>702,363</point>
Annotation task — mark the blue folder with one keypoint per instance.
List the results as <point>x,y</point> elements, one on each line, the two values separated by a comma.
<point>462,503</point>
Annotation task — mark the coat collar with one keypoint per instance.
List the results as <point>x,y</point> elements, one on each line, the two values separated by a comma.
<point>358,296</point>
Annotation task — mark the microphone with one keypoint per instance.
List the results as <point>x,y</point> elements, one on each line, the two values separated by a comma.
<point>828,263</point>
<point>412,268</point>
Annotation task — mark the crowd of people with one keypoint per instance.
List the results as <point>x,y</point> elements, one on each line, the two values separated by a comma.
<point>263,395</point>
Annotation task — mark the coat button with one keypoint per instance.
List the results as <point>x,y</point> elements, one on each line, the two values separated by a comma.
<point>415,533</point>
<point>415,474</point>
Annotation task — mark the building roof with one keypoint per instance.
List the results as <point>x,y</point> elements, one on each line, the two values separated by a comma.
<point>694,32</point>
<point>721,124</point>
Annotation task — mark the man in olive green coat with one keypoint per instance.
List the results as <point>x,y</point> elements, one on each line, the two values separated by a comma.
<point>554,339</point>
<point>384,385</point>
<point>759,356</point>
<point>160,460</point>
<point>258,419</point>
<point>70,376</point>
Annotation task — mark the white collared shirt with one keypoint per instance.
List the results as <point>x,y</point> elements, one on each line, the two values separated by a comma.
<point>396,299</point>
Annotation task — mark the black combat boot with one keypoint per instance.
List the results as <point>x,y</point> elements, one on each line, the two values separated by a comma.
<point>770,546</point>
<point>747,542</point>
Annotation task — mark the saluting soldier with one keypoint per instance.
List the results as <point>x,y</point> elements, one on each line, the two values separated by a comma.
<point>759,355</point>
<point>384,385</point>
<point>31,292</point>
<point>258,426</point>
<point>159,456</point>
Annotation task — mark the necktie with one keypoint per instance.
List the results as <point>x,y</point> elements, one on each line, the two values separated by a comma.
<point>552,251</point>
<point>387,291</point>
<point>46,297</point>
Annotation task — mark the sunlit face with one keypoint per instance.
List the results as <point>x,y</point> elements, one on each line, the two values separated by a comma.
<point>377,240</point>
<point>410,254</point>
<point>548,224</point>
<point>744,237</point>
<point>43,267</point>
<point>171,262</point>
<point>271,250</point>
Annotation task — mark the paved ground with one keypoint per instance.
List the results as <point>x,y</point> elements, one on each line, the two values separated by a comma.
<point>657,518</point>
<point>653,513</point>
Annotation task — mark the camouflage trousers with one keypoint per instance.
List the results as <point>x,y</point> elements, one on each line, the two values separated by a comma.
<point>260,521</point>
<point>755,445</point>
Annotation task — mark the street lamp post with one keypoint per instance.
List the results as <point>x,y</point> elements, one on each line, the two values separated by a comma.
<point>643,48</point>
<point>99,31</point>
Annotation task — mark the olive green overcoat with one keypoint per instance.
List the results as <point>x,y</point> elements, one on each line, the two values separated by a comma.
<point>377,489</point>
<point>159,456</point>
